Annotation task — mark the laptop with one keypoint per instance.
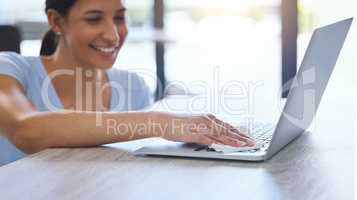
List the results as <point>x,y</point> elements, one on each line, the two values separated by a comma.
<point>306,90</point>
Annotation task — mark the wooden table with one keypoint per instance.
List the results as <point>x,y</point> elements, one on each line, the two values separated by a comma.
<point>318,165</point>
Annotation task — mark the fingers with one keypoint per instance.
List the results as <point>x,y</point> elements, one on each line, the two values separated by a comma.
<point>248,141</point>
<point>228,126</point>
<point>230,132</point>
<point>205,137</point>
<point>228,141</point>
<point>206,141</point>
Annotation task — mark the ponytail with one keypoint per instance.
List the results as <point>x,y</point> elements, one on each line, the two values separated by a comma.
<point>50,40</point>
<point>49,43</point>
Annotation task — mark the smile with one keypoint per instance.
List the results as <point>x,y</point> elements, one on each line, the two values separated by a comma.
<point>107,50</point>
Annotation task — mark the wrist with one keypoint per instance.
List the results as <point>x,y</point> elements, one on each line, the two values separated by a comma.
<point>162,123</point>
<point>155,122</point>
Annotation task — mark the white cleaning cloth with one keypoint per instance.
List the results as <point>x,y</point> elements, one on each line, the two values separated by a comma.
<point>229,149</point>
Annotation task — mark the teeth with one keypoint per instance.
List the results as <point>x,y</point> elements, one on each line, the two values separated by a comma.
<point>105,50</point>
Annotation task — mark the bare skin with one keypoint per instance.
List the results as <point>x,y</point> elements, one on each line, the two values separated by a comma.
<point>33,131</point>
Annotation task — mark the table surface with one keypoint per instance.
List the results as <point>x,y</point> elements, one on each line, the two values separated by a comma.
<point>318,165</point>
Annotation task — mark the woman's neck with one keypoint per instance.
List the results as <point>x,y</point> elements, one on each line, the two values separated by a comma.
<point>78,85</point>
<point>63,60</point>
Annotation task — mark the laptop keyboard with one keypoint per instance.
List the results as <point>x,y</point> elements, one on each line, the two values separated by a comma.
<point>261,132</point>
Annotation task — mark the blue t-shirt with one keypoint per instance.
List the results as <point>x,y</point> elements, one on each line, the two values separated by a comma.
<point>129,91</point>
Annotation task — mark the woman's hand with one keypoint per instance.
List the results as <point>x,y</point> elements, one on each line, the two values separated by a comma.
<point>203,129</point>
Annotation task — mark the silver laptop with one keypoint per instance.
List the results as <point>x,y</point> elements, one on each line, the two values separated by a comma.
<point>305,94</point>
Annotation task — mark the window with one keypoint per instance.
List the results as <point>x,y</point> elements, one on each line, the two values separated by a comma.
<point>228,40</point>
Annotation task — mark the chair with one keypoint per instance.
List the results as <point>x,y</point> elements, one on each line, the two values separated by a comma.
<point>10,38</point>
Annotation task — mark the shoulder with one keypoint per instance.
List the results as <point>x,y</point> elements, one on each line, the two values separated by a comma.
<point>15,61</point>
<point>12,58</point>
<point>15,65</point>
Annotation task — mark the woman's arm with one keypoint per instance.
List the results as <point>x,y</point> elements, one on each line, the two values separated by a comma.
<point>33,131</point>
<point>78,129</point>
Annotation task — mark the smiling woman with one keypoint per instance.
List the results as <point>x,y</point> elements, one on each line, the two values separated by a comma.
<point>73,81</point>
<point>93,32</point>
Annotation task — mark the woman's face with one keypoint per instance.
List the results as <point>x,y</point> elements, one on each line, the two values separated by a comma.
<point>94,31</point>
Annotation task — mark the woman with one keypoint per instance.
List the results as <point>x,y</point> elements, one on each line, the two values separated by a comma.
<point>71,97</point>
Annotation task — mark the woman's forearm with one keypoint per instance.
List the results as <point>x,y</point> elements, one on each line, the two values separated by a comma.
<point>75,129</point>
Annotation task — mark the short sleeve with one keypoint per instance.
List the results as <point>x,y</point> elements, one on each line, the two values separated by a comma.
<point>13,64</point>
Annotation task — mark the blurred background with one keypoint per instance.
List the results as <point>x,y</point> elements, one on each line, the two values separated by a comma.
<point>186,42</point>
<point>240,39</point>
